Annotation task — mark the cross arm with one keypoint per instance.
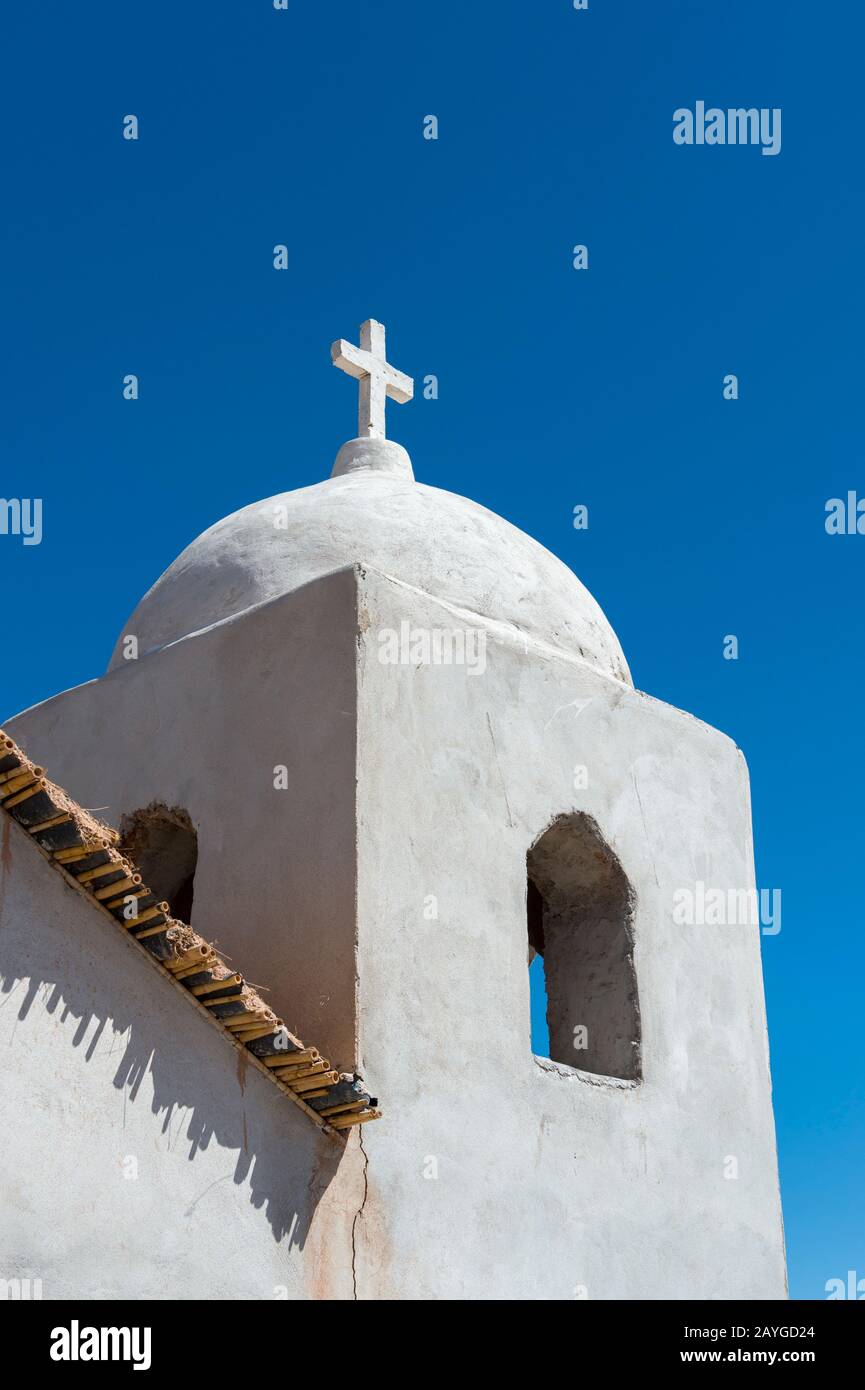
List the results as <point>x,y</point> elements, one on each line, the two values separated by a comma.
<point>349,358</point>
<point>399,386</point>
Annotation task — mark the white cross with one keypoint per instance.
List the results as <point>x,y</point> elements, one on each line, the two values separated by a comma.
<point>378,379</point>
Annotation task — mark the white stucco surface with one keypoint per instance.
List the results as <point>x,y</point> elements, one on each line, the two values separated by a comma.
<point>145,1160</point>
<point>208,725</point>
<point>436,541</point>
<point>550,1184</point>
<point>409,783</point>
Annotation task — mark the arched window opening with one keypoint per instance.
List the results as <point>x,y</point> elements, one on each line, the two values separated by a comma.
<point>579,910</point>
<point>162,842</point>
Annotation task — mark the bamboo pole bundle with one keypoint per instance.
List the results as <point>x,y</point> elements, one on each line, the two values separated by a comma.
<point>250,1034</point>
<point>14,772</point>
<point>308,1054</point>
<point>112,867</point>
<point>158,910</point>
<point>309,1079</point>
<point>343,1109</point>
<point>113,903</point>
<point>339,1095</point>
<point>156,930</point>
<point>267,1022</point>
<point>248,1016</point>
<point>346,1121</point>
<point>22,778</point>
<point>224,988</point>
<point>131,882</point>
<point>318,1062</point>
<point>192,970</point>
<point>226,991</point>
<point>212,985</point>
<point>312,1083</point>
<point>303,1071</point>
<point>196,955</point>
<point>49,824</point>
<point>25,795</point>
<point>282,1042</point>
<point>69,856</point>
<point>210,1003</point>
<point>307,1095</point>
<point>238,1033</point>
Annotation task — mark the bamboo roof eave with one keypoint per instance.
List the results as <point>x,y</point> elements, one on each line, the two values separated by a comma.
<point>69,838</point>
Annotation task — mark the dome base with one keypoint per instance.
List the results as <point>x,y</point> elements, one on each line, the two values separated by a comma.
<point>375,456</point>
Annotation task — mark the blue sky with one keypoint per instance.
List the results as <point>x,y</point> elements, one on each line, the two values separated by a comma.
<point>557,387</point>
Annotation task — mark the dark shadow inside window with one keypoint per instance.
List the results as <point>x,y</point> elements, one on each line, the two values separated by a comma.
<point>579,912</point>
<point>161,841</point>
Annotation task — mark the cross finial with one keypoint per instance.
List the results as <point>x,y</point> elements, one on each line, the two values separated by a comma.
<point>378,379</point>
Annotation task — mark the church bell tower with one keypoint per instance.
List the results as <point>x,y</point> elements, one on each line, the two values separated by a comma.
<point>409,744</point>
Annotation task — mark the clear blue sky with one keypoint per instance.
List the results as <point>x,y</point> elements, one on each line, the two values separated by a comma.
<point>557,387</point>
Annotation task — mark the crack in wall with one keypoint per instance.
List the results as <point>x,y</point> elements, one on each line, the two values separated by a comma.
<point>358,1214</point>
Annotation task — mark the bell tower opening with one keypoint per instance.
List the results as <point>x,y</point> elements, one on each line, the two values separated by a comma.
<point>579,911</point>
<point>162,842</point>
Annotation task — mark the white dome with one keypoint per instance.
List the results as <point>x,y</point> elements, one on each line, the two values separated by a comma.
<point>436,541</point>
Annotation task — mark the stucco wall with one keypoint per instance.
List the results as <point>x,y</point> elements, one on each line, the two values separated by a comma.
<point>202,725</point>
<point>432,782</point>
<point>140,1158</point>
<point>550,1184</point>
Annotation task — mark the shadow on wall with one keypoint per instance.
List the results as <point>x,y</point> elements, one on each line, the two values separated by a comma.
<point>93,980</point>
